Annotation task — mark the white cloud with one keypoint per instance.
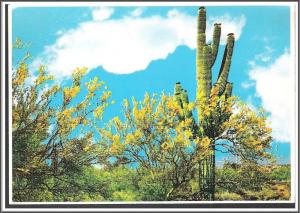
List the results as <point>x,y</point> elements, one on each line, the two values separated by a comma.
<point>229,25</point>
<point>128,44</point>
<point>137,12</point>
<point>262,57</point>
<point>247,85</point>
<point>102,13</point>
<point>266,55</point>
<point>275,84</point>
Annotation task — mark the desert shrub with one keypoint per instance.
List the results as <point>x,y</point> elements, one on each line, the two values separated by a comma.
<point>228,196</point>
<point>125,195</point>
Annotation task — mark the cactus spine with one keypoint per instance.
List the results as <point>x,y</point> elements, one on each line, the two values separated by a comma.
<point>206,55</point>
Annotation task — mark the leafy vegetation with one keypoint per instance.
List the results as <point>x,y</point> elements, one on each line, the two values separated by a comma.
<point>45,156</point>
<point>252,182</point>
<point>149,154</point>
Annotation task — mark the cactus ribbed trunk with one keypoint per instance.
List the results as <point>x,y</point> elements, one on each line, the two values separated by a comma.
<point>206,55</point>
<point>203,71</point>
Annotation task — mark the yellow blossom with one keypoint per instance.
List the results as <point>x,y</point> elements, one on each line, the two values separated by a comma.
<point>180,137</point>
<point>170,104</point>
<point>71,92</point>
<point>73,123</point>
<point>259,147</point>
<point>117,120</point>
<point>205,142</point>
<point>191,106</point>
<point>78,73</point>
<point>138,134</point>
<point>86,148</point>
<point>21,73</point>
<point>117,147</point>
<point>188,133</point>
<point>99,111</point>
<point>105,95</point>
<point>94,84</point>
<point>43,78</point>
<point>147,98</point>
<point>129,139</point>
<point>207,112</point>
<point>68,112</point>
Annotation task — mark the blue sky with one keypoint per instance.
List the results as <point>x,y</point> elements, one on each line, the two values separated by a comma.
<point>139,49</point>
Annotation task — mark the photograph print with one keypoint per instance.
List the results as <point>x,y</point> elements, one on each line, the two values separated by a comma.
<point>184,103</point>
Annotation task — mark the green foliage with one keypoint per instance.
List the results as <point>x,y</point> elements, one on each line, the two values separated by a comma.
<point>227,196</point>
<point>247,176</point>
<point>120,179</point>
<point>154,187</point>
<point>124,195</point>
<point>281,173</point>
<point>253,182</point>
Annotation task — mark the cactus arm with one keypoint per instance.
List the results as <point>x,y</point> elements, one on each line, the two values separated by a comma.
<point>185,102</point>
<point>177,94</point>
<point>228,89</point>
<point>223,74</point>
<point>177,88</point>
<point>201,41</point>
<point>184,98</point>
<point>201,20</point>
<point>201,37</point>
<point>215,42</point>
<point>222,64</point>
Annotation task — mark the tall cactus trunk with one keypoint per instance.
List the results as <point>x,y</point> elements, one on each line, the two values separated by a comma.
<point>206,55</point>
<point>207,177</point>
<point>204,61</point>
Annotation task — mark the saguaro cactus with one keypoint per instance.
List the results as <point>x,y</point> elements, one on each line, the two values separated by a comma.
<point>206,55</point>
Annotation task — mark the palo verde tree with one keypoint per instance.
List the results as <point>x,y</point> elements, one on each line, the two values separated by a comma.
<point>152,136</point>
<point>46,158</point>
<point>159,137</point>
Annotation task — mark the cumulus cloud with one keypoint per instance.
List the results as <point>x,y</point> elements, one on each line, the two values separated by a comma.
<point>229,25</point>
<point>260,58</point>
<point>102,13</point>
<point>275,85</point>
<point>128,44</point>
